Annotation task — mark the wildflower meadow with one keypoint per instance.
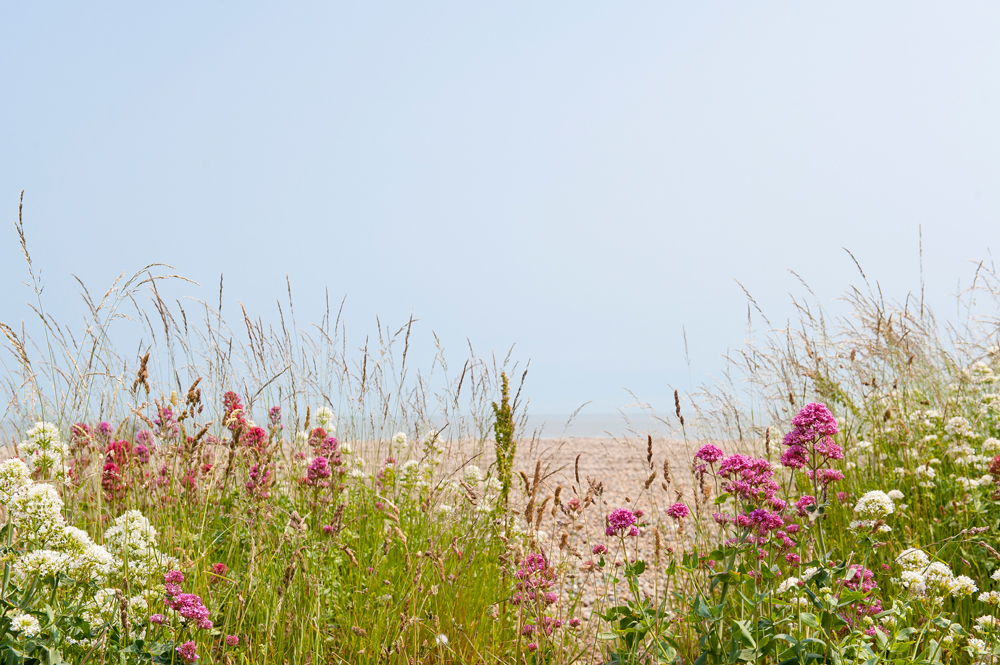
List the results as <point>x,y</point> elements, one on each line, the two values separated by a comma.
<point>263,495</point>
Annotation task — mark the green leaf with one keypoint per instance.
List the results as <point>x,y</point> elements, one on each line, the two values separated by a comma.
<point>809,619</point>
<point>722,498</point>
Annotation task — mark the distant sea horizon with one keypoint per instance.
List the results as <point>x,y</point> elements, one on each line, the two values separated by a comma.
<point>592,425</point>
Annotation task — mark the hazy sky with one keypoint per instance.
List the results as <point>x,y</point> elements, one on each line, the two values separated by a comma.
<point>580,178</point>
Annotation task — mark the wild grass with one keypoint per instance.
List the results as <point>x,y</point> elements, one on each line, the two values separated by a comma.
<point>328,505</point>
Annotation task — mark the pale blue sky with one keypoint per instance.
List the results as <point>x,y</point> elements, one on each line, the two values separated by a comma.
<point>579,178</point>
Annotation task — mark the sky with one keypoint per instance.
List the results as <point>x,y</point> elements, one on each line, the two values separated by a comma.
<point>586,181</point>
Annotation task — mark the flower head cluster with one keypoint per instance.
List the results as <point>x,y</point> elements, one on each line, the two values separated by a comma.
<point>188,652</point>
<point>709,453</point>
<point>874,505</point>
<point>234,418</point>
<point>44,451</point>
<point>622,521</point>
<point>749,479</point>
<point>814,426</point>
<point>534,579</point>
<point>188,605</point>
<point>678,511</point>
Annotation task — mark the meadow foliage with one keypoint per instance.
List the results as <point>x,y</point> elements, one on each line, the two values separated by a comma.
<point>278,500</point>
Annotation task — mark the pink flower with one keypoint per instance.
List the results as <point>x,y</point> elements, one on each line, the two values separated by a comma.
<point>678,511</point>
<point>599,549</point>
<point>710,453</point>
<point>174,577</point>
<point>158,619</point>
<point>219,572</point>
<point>234,418</point>
<point>532,647</point>
<point>319,469</point>
<point>574,623</point>
<point>534,578</point>
<point>621,520</point>
<point>795,457</point>
<point>792,558</point>
<point>803,503</point>
<point>188,651</point>
<point>254,438</point>
<point>232,640</point>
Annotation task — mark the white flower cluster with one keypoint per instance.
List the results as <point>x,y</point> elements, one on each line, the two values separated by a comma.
<point>25,624</point>
<point>131,540</point>
<point>788,584</point>
<point>44,450</point>
<point>977,646</point>
<point>991,446</point>
<point>972,483</point>
<point>987,623</point>
<point>472,474</point>
<point>53,547</point>
<point>921,577</point>
<point>959,427</point>
<point>874,505</point>
<point>324,419</point>
<point>927,472</point>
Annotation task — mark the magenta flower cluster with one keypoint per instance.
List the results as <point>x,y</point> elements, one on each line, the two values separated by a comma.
<point>188,652</point>
<point>622,521</point>
<point>750,480</point>
<point>678,511</point>
<point>188,605</point>
<point>813,426</point>
<point>534,579</point>
<point>709,453</point>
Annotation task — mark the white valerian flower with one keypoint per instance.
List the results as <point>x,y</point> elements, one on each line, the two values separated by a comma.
<point>991,446</point>
<point>787,584</point>
<point>939,577</point>
<point>925,471</point>
<point>977,646</point>
<point>36,512</point>
<point>895,495</point>
<point>44,450</point>
<point>399,439</point>
<point>25,624</point>
<point>961,586</point>
<point>15,477</point>
<point>324,419</point>
<point>913,559</point>
<point>990,597</point>
<point>913,582</point>
<point>131,541</point>
<point>345,449</point>
<point>960,449</point>
<point>864,445</point>
<point>987,623</point>
<point>472,474</point>
<point>808,573</point>
<point>40,563</point>
<point>959,427</point>
<point>874,505</point>
<point>996,575</point>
